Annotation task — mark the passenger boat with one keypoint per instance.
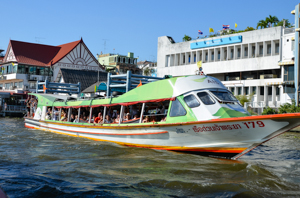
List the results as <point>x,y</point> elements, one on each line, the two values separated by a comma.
<point>194,114</point>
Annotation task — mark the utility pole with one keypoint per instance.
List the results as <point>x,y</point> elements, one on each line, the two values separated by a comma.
<point>296,62</point>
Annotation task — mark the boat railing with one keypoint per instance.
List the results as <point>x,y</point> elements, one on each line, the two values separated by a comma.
<point>15,108</point>
<point>127,81</point>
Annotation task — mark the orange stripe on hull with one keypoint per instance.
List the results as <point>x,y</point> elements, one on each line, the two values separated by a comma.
<point>169,148</point>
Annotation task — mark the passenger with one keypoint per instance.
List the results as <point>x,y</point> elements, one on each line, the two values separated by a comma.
<point>72,118</point>
<point>107,119</point>
<point>48,114</point>
<point>164,119</point>
<point>115,114</point>
<point>133,112</point>
<point>76,120</point>
<point>117,119</point>
<point>135,117</point>
<point>93,118</point>
<point>82,119</point>
<point>55,114</point>
<point>153,118</point>
<point>63,116</point>
<point>146,119</point>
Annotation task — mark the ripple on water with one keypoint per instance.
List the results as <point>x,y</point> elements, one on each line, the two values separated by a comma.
<point>37,163</point>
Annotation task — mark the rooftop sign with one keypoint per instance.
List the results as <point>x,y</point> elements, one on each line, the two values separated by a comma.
<point>216,42</point>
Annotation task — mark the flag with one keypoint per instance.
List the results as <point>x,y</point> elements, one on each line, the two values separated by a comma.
<point>95,88</point>
<point>140,84</point>
<point>13,64</point>
<point>235,25</point>
<point>211,30</point>
<point>44,88</point>
<point>199,32</point>
<point>225,27</point>
<point>199,64</point>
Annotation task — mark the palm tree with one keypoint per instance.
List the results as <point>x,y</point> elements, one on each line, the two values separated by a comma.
<point>272,20</point>
<point>186,38</point>
<point>262,24</point>
<point>287,23</point>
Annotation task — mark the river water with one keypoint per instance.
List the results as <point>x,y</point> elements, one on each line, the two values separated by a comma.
<point>36,163</point>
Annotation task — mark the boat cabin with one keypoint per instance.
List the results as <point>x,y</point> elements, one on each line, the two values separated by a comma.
<point>172,100</point>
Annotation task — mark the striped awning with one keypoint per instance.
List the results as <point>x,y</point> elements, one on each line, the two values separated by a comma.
<point>286,63</point>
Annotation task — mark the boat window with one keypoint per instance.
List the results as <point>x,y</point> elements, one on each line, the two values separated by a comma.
<point>155,111</point>
<point>205,98</point>
<point>191,101</point>
<point>177,109</point>
<point>224,95</point>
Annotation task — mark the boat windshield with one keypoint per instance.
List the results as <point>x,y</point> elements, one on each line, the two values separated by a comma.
<point>224,96</point>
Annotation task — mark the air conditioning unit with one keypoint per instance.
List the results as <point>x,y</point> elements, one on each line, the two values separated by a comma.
<point>26,87</point>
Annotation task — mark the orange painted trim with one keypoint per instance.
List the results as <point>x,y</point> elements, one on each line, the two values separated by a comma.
<point>169,148</point>
<point>107,133</point>
<point>150,125</point>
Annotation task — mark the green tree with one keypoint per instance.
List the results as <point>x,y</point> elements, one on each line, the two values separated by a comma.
<point>262,24</point>
<point>186,38</point>
<point>243,99</point>
<point>269,110</point>
<point>147,71</point>
<point>289,108</point>
<point>287,23</point>
<point>249,29</point>
<point>272,20</point>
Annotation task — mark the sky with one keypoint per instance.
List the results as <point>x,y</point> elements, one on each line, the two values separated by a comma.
<point>119,26</point>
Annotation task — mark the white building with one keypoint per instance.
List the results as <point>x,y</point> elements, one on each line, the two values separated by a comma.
<point>258,62</point>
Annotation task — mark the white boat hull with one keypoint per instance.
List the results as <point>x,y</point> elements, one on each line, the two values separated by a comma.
<point>226,138</point>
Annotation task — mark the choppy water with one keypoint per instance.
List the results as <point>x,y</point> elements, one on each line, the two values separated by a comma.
<point>37,163</point>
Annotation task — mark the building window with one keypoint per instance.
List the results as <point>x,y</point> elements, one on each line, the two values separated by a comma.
<point>206,56</point>
<point>293,45</point>
<point>289,89</point>
<point>269,49</point>
<point>262,91</point>
<point>219,55</point>
<point>238,52</point>
<point>7,86</point>
<point>239,90</point>
<point>232,89</point>
<point>277,48</point>
<point>277,90</point>
<point>246,90</point>
<point>246,52</point>
<point>231,54</point>
<point>212,56</point>
<point>289,73</point>
<point>269,91</point>
<point>254,90</point>
<point>261,50</point>
<point>253,51</point>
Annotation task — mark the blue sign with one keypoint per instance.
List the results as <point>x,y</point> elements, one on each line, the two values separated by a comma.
<point>216,42</point>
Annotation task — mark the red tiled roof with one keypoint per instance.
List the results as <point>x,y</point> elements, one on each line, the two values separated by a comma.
<point>64,50</point>
<point>39,54</point>
<point>32,53</point>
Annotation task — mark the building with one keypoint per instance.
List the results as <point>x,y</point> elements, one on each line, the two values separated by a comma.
<point>259,63</point>
<point>148,68</point>
<point>85,77</point>
<point>26,63</point>
<point>119,63</point>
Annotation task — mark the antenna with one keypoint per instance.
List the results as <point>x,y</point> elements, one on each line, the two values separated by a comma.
<point>37,39</point>
<point>104,44</point>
